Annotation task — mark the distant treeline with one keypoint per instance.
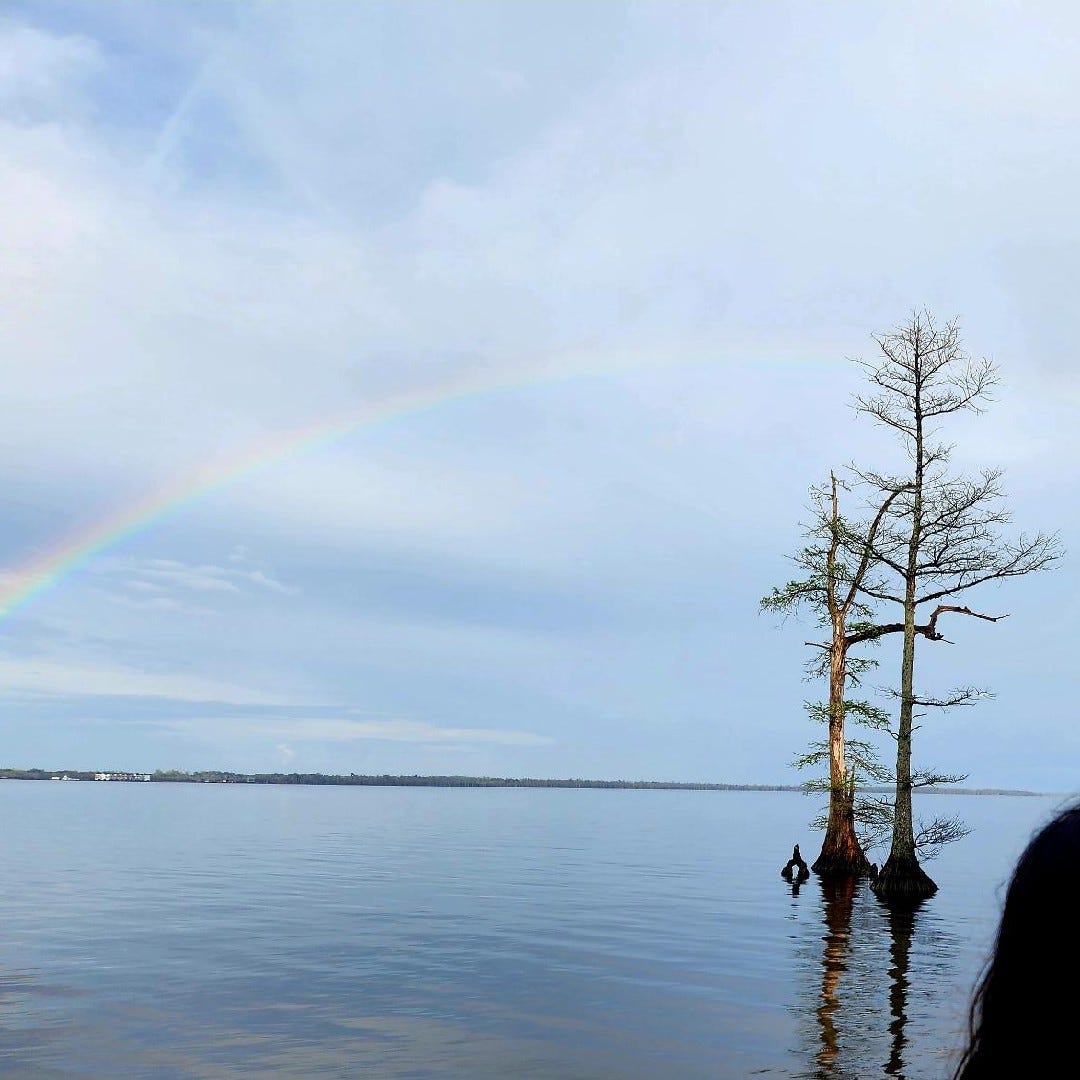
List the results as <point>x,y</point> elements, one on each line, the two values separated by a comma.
<point>216,776</point>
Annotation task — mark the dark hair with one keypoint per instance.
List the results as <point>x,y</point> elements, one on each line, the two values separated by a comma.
<point>1024,1013</point>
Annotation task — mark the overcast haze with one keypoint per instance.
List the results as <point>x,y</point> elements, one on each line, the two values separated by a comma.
<point>650,236</point>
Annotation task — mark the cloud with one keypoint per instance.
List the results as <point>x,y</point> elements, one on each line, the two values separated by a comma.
<point>157,575</point>
<point>302,729</point>
<point>267,582</point>
<point>57,678</point>
<point>508,264</point>
<point>223,228</point>
<point>196,578</point>
<point>162,604</point>
<point>41,73</point>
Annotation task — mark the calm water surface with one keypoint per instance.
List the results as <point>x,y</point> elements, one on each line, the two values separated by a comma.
<point>156,930</point>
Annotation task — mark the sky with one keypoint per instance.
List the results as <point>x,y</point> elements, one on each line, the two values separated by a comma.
<point>436,388</point>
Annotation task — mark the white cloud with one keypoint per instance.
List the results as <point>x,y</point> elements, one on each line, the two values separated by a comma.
<point>267,582</point>
<point>302,729</point>
<point>161,604</point>
<point>159,575</point>
<point>197,578</point>
<point>59,678</point>
<point>40,71</point>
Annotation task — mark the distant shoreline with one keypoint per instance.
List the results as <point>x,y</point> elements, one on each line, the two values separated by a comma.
<point>213,776</point>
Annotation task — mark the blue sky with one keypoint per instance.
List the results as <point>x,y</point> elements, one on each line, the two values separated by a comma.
<point>662,229</point>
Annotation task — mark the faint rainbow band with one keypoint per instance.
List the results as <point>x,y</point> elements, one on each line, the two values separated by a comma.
<point>45,571</point>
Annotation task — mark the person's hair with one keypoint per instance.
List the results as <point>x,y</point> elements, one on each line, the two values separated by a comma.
<point>1025,1010</point>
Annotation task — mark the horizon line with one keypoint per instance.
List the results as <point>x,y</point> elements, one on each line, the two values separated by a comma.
<point>461,779</point>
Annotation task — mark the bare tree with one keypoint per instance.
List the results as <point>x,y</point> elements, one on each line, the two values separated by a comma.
<point>940,537</point>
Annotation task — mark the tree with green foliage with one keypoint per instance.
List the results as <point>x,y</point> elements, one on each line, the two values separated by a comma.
<point>837,566</point>
<point>928,536</point>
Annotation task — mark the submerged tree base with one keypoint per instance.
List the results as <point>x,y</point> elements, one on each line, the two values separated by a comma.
<point>903,880</point>
<point>841,854</point>
<point>834,865</point>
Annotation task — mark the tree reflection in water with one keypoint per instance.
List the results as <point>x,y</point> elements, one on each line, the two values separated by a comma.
<point>858,1010</point>
<point>838,899</point>
<point>901,920</point>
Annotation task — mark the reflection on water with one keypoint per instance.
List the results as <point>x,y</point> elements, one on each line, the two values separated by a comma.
<point>796,885</point>
<point>860,997</point>
<point>901,919</point>
<point>838,897</point>
<point>174,931</point>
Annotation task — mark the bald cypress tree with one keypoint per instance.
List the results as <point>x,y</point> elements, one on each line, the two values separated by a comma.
<point>942,536</point>
<point>927,537</point>
<point>837,566</point>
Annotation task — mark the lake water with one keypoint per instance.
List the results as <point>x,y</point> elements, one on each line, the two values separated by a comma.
<point>157,930</point>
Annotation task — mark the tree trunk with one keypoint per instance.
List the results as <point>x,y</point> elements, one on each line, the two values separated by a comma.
<point>841,854</point>
<point>902,878</point>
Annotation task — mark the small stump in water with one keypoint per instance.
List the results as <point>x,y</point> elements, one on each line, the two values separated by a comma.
<point>790,873</point>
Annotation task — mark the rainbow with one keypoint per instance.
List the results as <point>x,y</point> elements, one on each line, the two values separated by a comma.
<point>58,563</point>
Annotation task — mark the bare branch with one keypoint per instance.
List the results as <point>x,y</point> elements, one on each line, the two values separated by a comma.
<point>930,629</point>
<point>965,695</point>
<point>931,837</point>
<point>927,778</point>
